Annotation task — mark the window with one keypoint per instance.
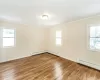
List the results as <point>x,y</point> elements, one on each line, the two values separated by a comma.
<point>95,38</point>
<point>58,38</point>
<point>8,37</point>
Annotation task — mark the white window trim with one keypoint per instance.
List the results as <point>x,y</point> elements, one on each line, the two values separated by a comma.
<point>88,38</point>
<point>5,37</point>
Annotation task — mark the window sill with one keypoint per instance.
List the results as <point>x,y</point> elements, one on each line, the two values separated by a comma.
<point>95,50</point>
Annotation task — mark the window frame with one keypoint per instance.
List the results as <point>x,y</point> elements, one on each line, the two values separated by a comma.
<point>9,37</point>
<point>88,38</point>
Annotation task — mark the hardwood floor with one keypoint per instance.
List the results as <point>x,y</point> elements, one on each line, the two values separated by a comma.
<point>46,67</point>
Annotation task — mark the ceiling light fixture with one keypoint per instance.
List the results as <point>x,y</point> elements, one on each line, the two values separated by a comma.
<point>45,17</point>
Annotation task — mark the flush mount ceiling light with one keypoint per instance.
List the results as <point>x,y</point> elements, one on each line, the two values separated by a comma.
<point>44,17</point>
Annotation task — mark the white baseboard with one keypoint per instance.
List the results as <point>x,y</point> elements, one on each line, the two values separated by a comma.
<point>34,53</point>
<point>14,59</point>
<point>56,53</point>
<point>90,64</point>
<point>84,62</point>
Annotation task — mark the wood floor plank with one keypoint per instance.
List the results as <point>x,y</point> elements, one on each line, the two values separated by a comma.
<point>46,67</point>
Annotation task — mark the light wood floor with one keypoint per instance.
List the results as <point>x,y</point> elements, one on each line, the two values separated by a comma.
<point>46,67</point>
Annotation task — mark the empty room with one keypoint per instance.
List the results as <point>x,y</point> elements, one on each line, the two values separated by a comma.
<point>49,39</point>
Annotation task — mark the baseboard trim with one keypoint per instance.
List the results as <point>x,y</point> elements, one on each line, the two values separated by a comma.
<point>36,53</point>
<point>89,64</point>
<point>57,54</point>
<point>33,54</point>
<point>95,67</point>
<point>3,62</point>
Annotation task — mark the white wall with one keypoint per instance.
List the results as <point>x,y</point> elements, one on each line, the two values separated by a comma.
<point>74,40</point>
<point>29,39</point>
<point>32,39</point>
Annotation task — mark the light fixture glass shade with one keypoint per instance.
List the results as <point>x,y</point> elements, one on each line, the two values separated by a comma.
<point>44,17</point>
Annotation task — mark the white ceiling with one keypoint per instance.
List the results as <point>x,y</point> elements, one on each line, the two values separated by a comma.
<point>59,11</point>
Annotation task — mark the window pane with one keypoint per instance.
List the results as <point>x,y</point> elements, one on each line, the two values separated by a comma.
<point>58,41</point>
<point>92,31</point>
<point>98,32</point>
<point>58,34</point>
<point>95,31</point>
<point>95,43</point>
<point>8,42</point>
<point>8,32</point>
